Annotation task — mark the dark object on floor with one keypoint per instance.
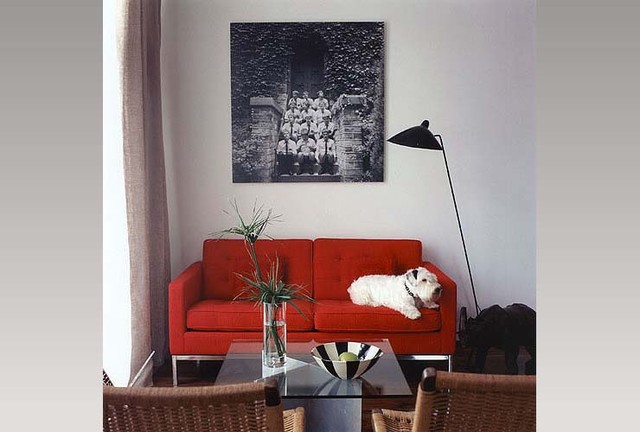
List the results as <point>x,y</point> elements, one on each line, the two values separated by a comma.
<point>506,328</point>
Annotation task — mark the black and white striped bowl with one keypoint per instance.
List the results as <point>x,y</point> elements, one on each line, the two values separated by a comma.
<point>326,355</point>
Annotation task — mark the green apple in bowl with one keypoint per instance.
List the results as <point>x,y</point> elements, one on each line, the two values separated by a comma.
<point>348,356</point>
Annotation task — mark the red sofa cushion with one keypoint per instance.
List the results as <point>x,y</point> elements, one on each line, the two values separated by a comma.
<point>225,315</point>
<point>217,343</point>
<point>344,316</point>
<point>223,259</point>
<point>338,262</point>
<point>355,267</point>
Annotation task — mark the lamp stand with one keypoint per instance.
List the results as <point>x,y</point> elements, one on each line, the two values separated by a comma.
<point>455,206</point>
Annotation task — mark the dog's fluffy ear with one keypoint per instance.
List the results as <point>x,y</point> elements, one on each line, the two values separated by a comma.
<point>412,276</point>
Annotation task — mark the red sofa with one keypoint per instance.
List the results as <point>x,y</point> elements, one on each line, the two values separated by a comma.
<point>203,319</point>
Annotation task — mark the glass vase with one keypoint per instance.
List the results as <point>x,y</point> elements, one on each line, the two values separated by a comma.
<point>274,334</point>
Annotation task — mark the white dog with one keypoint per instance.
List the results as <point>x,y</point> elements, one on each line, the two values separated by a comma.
<point>404,293</point>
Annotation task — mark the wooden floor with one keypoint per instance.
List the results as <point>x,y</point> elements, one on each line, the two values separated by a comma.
<point>191,375</point>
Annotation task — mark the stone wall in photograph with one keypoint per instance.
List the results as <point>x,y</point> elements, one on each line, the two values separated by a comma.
<point>266,115</point>
<point>348,137</point>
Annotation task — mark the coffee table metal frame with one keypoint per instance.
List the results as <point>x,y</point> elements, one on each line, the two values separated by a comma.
<point>418,357</point>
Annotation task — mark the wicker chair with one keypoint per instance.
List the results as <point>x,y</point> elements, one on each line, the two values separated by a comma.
<point>239,407</point>
<point>453,401</point>
<point>105,379</point>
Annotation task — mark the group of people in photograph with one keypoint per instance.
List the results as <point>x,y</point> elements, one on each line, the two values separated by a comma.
<point>306,142</point>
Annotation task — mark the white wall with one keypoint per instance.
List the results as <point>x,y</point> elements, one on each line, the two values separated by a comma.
<point>467,66</point>
<point>116,298</point>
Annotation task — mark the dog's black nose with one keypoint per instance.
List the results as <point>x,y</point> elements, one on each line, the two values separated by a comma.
<point>437,290</point>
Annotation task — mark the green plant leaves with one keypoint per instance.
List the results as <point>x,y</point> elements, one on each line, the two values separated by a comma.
<point>269,288</point>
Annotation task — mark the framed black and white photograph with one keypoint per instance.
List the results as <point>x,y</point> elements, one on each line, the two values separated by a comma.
<point>307,101</point>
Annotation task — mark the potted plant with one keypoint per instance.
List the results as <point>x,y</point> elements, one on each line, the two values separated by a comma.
<point>266,290</point>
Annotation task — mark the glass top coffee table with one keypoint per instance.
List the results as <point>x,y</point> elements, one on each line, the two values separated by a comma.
<point>331,404</point>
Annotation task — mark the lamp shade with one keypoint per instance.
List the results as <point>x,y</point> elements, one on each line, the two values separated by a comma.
<point>417,137</point>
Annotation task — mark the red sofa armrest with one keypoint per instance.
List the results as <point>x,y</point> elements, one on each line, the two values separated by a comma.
<point>448,307</point>
<point>184,291</point>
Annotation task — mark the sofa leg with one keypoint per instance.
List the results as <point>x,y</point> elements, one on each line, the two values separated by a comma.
<point>189,357</point>
<point>429,357</point>
<point>174,369</point>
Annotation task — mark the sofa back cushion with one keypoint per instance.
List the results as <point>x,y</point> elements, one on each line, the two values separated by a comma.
<point>338,262</point>
<point>223,259</point>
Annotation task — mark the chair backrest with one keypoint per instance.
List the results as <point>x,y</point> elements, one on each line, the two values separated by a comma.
<point>465,401</point>
<point>105,379</point>
<point>238,407</point>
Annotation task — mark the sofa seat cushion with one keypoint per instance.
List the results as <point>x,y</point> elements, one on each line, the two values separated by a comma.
<point>344,316</point>
<point>225,315</point>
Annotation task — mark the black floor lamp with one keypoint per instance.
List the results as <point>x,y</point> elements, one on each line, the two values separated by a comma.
<point>422,138</point>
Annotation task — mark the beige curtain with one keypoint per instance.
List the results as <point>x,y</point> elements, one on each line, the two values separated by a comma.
<point>145,185</point>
